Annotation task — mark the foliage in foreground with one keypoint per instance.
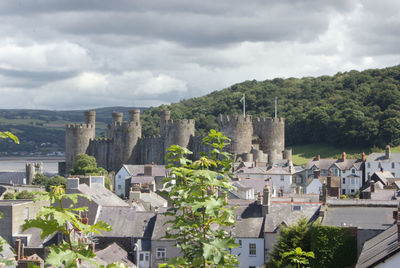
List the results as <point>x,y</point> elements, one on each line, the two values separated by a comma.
<point>69,222</point>
<point>333,247</point>
<point>43,180</point>
<point>200,215</point>
<point>87,165</point>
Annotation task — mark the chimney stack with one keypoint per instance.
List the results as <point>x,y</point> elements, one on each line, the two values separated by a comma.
<point>343,156</point>
<point>372,185</point>
<point>317,158</point>
<point>266,200</point>
<point>387,152</point>
<point>398,222</point>
<point>363,157</point>
<point>323,194</point>
<point>148,170</point>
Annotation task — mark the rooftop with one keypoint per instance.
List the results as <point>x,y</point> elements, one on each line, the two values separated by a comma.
<point>379,248</point>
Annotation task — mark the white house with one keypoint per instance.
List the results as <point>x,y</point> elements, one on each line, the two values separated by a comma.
<point>350,171</point>
<point>387,161</point>
<point>281,178</point>
<point>124,175</point>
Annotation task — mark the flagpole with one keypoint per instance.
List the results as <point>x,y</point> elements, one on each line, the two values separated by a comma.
<point>244,107</point>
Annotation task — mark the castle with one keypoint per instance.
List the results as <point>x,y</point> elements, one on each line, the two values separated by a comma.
<point>261,140</point>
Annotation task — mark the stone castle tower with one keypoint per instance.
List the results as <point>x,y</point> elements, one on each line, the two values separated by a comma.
<point>261,140</point>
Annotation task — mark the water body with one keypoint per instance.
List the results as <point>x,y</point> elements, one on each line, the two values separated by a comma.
<point>17,164</point>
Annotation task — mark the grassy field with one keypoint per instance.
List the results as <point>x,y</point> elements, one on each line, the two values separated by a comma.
<point>302,153</point>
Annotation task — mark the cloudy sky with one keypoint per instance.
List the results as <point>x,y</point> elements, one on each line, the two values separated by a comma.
<point>77,54</point>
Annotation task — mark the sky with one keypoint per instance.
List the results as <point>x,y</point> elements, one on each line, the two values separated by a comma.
<point>82,54</point>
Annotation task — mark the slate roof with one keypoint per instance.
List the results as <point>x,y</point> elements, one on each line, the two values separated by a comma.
<point>384,176</point>
<point>258,184</point>
<point>362,217</point>
<point>7,252</point>
<point>240,186</point>
<point>138,170</point>
<point>278,170</point>
<point>325,164</point>
<point>154,199</point>
<point>394,157</point>
<point>112,253</point>
<point>12,177</point>
<point>283,212</point>
<point>127,222</point>
<point>335,180</point>
<point>379,248</point>
<point>249,222</point>
<point>142,179</point>
<point>101,195</point>
<point>250,170</point>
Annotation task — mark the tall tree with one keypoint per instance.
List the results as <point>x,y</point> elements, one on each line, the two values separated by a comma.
<point>200,213</point>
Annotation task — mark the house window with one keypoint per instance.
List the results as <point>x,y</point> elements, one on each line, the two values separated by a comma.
<point>119,187</point>
<point>252,267</point>
<point>352,190</point>
<point>368,165</point>
<point>160,253</point>
<point>119,176</point>
<point>343,191</point>
<point>379,165</point>
<point>393,174</point>
<point>282,177</point>
<point>141,257</point>
<point>296,207</point>
<point>353,171</point>
<point>393,165</point>
<point>26,213</point>
<point>335,172</point>
<point>240,243</point>
<point>344,181</point>
<point>252,249</point>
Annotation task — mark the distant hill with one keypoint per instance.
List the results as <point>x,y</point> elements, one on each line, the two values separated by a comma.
<point>353,108</point>
<point>43,131</point>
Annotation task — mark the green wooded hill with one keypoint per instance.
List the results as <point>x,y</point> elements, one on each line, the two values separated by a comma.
<point>43,131</point>
<point>357,109</point>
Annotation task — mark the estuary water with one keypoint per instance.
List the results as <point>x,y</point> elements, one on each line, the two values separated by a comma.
<point>17,164</point>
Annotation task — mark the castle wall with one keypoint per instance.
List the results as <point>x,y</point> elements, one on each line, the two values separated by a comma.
<point>102,150</point>
<point>125,138</point>
<point>272,133</point>
<point>150,150</point>
<point>178,132</point>
<point>239,130</point>
<point>77,138</point>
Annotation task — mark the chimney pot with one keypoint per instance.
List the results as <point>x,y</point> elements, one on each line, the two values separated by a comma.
<point>387,152</point>
<point>343,156</point>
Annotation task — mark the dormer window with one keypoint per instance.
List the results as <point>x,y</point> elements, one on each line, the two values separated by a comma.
<point>393,165</point>
<point>353,171</point>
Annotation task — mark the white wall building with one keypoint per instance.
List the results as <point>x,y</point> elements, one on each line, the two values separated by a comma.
<point>250,252</point>
<point>387,161</point>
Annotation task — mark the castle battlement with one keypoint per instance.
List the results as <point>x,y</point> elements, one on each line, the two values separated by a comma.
<point>102,139</point>
<point>228,119</point>
<point>177,122</point>
<point>125,125</point>
<point>269,120</point>
<point>79,126</point>
<point>150,138</point>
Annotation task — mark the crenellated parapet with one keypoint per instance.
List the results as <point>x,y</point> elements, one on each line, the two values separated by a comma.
<point>78,137</point>
<point>239,129</point>
<point>272,133</point>
<point>178,132</point>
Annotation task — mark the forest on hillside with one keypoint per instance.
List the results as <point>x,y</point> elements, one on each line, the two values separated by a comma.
<point>351,108</point>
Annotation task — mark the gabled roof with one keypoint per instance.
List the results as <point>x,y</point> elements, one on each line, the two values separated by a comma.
<point>383,176</point>
<point>138,170</point>
<point>362,217</point>
<point>12,177</point>
<point>379,248</point>
<point>250,170</point>
<point>278,171</point>
<point>394,157</point>
<point>283,212</point>
<point>127,222</point>
<point>101,195</point>
<point>258,184</point>
<point>325,164</point>
<point>112,253</point>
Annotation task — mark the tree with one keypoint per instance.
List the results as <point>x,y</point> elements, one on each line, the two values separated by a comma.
<point>87,165</point>
<point>289,239</point>
<point>297,258</point>
<point>41,179</point>
<point>69,222</point>
<point>6,134</point>
<point>200,213</point>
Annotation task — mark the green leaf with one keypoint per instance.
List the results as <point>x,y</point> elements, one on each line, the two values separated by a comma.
<point>6,134</point>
